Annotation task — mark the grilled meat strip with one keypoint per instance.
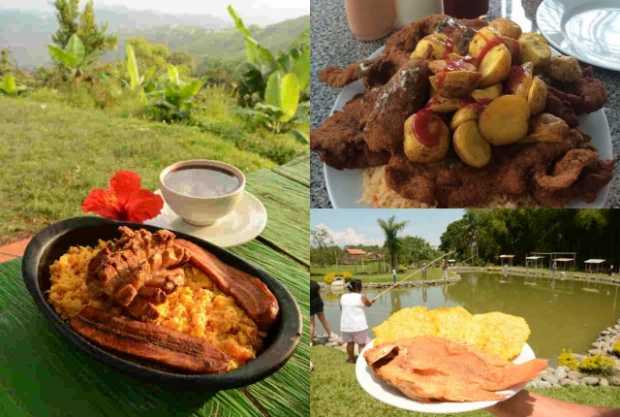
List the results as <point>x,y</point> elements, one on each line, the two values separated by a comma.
<point>138,270</point>
<point>149,341</point>
<point>248,291</point>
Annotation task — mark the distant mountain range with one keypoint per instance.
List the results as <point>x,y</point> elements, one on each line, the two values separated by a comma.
<point>27,33</point>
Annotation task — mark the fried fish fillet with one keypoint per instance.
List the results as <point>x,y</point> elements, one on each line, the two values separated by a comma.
<point>429,368</point>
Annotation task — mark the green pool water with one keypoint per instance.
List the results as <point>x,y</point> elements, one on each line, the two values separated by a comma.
<point>561,314</point>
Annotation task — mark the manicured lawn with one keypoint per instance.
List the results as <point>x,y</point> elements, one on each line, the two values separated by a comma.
<point>334,391</point>
<point>53,154</point>
<point>433,273</point>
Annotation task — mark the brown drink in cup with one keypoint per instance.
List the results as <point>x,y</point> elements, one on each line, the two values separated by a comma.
<point>371,19</point>
<point>465,9</point>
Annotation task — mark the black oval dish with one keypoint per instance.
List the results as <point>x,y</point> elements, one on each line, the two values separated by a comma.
<point>51,243</point>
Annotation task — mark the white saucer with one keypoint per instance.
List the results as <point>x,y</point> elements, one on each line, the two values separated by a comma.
<point>244,223</point>
<point>389,395</point>
<point>586,29</point>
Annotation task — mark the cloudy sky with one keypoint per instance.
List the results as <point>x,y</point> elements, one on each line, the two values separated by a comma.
<point>253,10</point>
<point>356,226</point>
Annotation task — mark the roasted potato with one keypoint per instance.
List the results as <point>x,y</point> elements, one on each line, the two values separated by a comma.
<point>487,94</point>
<point>534,48</point>
<point>417,151</point>
<point>506,27</point>
<point>470,146</point>
<point>440,104</point>
<point>565,69</point>
<point>454,84</point>
<point>514,48</point>
<point>520,79</point>
<point>537,96</point>
<point>480,40</point>
<point>456,63</point>
<point>433,46</point>
<point>495,66</point>
<point>505,120</point>
<point>547,128</point>
<point>464,114</point>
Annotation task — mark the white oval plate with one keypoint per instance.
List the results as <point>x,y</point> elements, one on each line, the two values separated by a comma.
<point>588,30</point>
<point>389,395</point>
<point>345,187</point>
<point>244,223</point>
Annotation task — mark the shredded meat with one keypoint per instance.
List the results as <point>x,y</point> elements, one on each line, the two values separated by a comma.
<point>340,140</point>
<point>450,183</point>
<point>149,341</point>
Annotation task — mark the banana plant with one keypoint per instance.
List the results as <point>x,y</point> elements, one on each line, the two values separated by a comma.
<point>73,56</point>
<point>172,99</point>
<point>9,86</point>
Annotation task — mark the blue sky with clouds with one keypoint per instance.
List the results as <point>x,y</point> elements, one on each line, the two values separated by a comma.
<point>359,226</point>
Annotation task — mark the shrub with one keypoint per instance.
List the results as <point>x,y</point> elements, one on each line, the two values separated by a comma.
<point>597,364</point>
<point>568,359</point>
<point>616,348</point>
<point>330,277</point>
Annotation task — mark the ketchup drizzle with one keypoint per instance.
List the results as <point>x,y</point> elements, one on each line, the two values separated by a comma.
<point>421,127</point>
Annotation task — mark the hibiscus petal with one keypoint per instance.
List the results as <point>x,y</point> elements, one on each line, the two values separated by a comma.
<point>102,202</point>
<point>124,184</point>
<point>143,205</point>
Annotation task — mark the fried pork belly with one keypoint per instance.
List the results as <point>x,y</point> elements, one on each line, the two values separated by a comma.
<point>517,172</point>
<point>248,291</point>
<point>149,341</point>
<point>138,270</point>
<point>429,368</point>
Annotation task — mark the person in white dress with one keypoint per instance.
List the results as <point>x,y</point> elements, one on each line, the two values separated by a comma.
<point>353,324</point>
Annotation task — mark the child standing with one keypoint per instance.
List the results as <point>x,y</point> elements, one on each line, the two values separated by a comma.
<point>353,323</point>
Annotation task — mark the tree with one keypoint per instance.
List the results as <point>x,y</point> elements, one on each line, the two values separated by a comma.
<point>392,244</point>
<point>94,37</point>
<point>5,61</point>
<point>67,13</point>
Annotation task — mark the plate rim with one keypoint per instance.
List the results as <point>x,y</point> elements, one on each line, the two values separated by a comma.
<point>544,7</point>
<point>361,366</point>
<point>574,205</point>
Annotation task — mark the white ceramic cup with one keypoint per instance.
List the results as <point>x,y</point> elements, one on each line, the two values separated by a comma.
<point>202,211</point>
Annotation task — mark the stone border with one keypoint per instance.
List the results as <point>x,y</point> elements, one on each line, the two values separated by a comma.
<point>454,277</point>
<point>572,276</point>
<point>563,376</point>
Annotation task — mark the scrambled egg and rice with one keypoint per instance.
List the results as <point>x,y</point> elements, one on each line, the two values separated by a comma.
<point>198,309</point>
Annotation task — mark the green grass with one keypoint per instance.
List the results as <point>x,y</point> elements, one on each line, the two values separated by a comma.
<point>53,154</point>
<point>334,391</point>
<point>317,273</point>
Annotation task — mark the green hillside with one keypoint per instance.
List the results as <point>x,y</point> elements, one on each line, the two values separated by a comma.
<point>226,44</point>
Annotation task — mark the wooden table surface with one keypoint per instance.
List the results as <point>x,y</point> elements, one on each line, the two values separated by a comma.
<point>43,374</point>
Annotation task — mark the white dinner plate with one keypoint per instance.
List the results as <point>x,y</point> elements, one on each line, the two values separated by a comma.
<point>586,29</point>
<point>244,223</point>
<point>389,395</point>
<point>345,187</point>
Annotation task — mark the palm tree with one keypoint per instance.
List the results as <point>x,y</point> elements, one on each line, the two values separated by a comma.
<point>392,244</point>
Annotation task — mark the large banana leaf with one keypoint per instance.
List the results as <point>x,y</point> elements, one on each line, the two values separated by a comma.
<point>9,85</point>
<point>301,68</point>
<point>132,68</point>
<point>272,91</point>
<point>190,89</point>
<point>255,53</point>
<point>289,96</point>
<point>173,74</point>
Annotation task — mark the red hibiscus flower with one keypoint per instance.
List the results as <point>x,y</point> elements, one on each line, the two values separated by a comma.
<point>124,199</point>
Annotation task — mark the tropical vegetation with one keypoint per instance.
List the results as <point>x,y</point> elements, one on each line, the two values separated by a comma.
<point>137,111</point>
<point>484,234</point>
